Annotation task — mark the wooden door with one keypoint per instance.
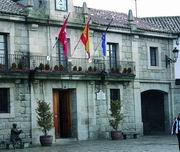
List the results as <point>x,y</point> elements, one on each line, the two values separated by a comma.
<point>62,113</point>
<point>65,114</point>
<point>56,113</point>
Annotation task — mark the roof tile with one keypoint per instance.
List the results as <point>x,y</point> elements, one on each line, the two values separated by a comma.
<point>171,23</point>
<point>10,7</point>
<point>103,17</point>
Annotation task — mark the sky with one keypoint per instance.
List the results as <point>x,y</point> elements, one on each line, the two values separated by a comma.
<point>145,8</point>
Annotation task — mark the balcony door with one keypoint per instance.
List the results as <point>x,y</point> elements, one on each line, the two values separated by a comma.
<point>61,58</point>
<point>60,53</point>
<point>3,50</point>
<point>112,52</point>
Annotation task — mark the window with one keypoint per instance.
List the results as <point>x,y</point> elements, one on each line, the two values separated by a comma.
<point>112,53</point>
<point>114,94</point>
<point>3,48</point>
<point>60,53</point>
<point>4,100</point>
<point>154,56</point>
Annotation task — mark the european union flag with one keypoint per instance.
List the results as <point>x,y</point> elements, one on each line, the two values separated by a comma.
<point>104,43</point>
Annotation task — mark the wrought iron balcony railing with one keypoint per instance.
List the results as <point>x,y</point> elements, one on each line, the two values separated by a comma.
<point>24,63</point>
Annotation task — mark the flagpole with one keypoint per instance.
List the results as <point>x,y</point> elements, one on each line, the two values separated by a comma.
<point>55,43</point>
<point>104,32</point>
<point>136,7</point>
<point>76,47</point>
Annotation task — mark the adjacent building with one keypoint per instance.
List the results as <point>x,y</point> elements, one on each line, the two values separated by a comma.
<point>33,67</point>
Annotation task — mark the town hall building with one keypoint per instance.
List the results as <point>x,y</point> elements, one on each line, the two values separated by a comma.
<point>33,67</point>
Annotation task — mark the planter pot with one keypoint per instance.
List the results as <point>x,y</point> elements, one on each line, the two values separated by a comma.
<point>116,135</point>
<point>46,140</point>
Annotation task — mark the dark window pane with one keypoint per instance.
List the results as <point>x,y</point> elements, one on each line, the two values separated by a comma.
<point>114,94</point>
<point>153,56</point>
<point>4,100</point>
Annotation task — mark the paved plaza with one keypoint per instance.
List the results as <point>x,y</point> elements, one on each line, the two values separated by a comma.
<point>141,144</point>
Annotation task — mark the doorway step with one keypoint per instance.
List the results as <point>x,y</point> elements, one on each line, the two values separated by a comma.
<point>65,140</point>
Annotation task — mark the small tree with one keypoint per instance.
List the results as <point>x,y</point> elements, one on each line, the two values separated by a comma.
<point>116,115</point>
<point>44,118</point>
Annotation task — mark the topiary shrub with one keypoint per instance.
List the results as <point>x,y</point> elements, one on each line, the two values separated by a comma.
<point>44,116</point>
<point>116,115</point>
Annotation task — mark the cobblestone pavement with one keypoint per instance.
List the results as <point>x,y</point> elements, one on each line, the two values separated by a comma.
<point>141,144</point>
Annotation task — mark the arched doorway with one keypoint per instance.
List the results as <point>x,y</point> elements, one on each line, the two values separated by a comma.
<point>153,112</point>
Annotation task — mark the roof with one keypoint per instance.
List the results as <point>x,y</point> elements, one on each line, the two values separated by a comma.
<point>100,17</point>
<point>171,23</point>
<point>10,7</point>
<point>103,17</point>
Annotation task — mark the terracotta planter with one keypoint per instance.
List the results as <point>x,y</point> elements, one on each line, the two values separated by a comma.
<point>116,135</point>
<point>46,140</point>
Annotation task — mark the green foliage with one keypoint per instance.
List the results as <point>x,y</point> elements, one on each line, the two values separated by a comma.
<point>116,115</point>
<point>47,67</point>
<point>56,68</point>
<point>44,116</point>
<point>41,66</point>
<point>20,65</point>
<point>13,65</point>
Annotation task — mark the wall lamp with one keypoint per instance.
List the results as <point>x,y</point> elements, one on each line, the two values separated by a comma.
<point>175,52</point>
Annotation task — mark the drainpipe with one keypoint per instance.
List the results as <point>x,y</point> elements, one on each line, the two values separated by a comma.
<point>29,76</point>
<point>88,109</point>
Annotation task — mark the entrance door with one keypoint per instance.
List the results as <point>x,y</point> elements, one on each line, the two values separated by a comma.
<point>62,113</point>
<point>153,116</point>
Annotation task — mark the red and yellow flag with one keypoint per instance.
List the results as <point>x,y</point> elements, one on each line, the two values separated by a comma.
<point>85,38</point>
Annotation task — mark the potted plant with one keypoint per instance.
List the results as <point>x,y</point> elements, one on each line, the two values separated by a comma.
<point>90,69</point>
<point>20,65</point>
<point>47,67</point>
<point>125,71</point>
<point>56,68</point>
<point>75,68</point>
<point>44,120</point>
<point>115,118</point>
<point>79,68</point>
<point>61,67</point>
<point>129,70</point>
<point>13,66</point>
<point>41,66</point>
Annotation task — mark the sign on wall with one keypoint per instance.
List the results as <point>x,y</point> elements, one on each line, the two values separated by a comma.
<point>100,95</point>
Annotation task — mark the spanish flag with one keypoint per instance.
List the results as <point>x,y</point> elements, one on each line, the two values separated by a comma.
<point>85,38</point>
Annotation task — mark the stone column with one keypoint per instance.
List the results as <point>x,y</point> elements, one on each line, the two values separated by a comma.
<point>91,106</point>
<point>137,109</point>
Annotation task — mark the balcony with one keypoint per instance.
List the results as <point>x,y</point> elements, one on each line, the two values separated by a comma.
<point>52,66</point>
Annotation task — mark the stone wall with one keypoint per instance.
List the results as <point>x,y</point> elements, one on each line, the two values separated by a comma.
<point>20,109</point>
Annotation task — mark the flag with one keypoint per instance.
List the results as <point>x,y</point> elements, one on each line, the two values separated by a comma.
<point>63,39</point>
<point>103,44</point>
<point>85,38</point>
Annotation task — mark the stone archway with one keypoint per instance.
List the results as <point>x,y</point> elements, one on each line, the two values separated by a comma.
<point>153,111</point>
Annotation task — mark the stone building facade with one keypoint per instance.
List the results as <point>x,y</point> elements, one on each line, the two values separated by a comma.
<point>33,67</point>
